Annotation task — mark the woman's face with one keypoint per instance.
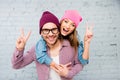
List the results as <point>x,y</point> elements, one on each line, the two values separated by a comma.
<point>67,27</point>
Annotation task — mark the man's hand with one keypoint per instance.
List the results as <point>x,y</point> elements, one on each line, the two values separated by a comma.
<point>21,41</point>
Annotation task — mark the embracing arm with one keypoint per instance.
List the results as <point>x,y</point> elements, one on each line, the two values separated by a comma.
<point>41,52</point>
<point>68,70</point>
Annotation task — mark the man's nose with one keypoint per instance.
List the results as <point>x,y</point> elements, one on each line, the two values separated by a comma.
<point>50,33</point>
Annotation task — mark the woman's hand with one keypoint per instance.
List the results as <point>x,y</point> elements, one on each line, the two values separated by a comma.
<point>62,70</point>
<point>88,33</point>
<point>21,41</point>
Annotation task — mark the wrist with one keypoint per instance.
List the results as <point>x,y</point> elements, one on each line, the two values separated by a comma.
<point>19,49</point>
<point>86,43</point>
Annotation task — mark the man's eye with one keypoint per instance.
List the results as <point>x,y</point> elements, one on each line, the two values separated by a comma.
<point>45,29</point>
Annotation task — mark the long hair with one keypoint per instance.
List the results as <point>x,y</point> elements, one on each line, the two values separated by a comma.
<point>72,38</point>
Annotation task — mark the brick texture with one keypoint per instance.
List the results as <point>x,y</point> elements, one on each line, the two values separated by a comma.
<point>104,49</point>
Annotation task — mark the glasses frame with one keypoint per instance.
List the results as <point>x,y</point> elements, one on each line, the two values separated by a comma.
<point>53,30</point>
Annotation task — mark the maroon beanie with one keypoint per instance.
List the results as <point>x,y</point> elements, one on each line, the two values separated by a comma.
<point>48,17</point>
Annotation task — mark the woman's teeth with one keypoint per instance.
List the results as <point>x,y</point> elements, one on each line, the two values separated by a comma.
<point>65,30</point>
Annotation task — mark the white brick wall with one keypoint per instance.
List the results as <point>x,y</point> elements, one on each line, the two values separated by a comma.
<point>104,51</point>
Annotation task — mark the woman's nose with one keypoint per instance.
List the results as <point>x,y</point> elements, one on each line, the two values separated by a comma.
<point>67,26</point>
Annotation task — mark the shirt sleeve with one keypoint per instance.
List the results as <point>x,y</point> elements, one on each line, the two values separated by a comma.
<point>41,52</point>
<point>80,53</point>
<point>76,68</point>
<point>21,59</point>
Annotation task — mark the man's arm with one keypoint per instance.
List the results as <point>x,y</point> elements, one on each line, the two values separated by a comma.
<point>21,59</point>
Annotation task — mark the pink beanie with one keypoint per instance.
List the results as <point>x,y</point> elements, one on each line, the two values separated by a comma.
<point>73,15</point>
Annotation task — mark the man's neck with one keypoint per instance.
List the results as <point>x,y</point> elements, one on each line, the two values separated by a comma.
<point>54,49</point>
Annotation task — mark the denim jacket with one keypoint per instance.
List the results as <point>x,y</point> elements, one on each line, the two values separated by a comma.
<point>42,57</point>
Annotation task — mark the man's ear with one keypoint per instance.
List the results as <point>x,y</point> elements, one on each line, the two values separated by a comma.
<point>41,35</point>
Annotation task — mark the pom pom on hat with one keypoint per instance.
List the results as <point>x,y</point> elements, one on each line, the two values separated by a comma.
<point>48,17</point>
<point>73,15</point>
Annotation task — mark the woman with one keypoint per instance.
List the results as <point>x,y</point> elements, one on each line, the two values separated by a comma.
<point>69,23</point>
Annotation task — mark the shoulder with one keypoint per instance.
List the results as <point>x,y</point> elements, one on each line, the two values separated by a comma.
<point>65,42</point>
<point>67,47</point>
<point>31,51</point>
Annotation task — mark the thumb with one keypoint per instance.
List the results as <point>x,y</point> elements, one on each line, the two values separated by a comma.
<point>68,64</point>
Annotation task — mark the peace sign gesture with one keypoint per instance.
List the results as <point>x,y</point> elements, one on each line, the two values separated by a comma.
<point>21,41</point>
<point>88,33</point>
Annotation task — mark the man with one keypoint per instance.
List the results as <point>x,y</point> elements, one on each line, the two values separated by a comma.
<point>59,50</point>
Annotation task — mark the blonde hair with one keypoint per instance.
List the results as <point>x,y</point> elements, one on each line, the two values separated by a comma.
<point>73,39</point>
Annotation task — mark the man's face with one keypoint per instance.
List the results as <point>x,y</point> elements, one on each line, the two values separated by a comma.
<point>50,33</point>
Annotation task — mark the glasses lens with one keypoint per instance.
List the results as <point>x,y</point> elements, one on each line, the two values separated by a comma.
<point>45,31</point>
<point>54,30</point>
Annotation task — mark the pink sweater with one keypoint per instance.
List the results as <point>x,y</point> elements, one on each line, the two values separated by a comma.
<point>66,55</point>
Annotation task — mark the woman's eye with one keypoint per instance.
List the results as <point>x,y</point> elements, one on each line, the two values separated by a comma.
<point>66,21</point>
<point>73,25</point>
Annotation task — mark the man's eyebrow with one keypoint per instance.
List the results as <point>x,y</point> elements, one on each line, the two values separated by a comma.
<point>51,28</point>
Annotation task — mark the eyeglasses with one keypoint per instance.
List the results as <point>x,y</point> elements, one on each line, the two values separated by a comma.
<point>47,31</point>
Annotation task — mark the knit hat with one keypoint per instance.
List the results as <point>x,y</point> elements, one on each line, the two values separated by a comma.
<point>48,17</point>
<point>73,15</point>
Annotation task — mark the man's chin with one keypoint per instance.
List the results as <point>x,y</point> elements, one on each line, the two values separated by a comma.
<point>51,43</point>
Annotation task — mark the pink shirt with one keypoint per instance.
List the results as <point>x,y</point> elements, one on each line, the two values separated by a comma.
<point>66,55</point>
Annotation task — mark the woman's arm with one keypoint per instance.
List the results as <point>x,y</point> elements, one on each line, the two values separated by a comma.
<point>82,54</point>
<point>41,52</point>
<point>69,71</point>
<point>87,39</point>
